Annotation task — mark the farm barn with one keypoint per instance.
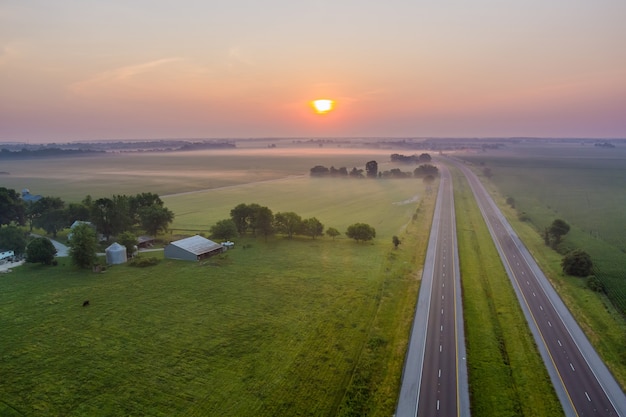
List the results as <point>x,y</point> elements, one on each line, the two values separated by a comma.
<point>192,248</point>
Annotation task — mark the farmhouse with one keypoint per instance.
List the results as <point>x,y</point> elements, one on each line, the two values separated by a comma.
<point>192,248</point>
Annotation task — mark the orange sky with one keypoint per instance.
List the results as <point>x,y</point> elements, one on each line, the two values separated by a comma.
<point>72,70</point>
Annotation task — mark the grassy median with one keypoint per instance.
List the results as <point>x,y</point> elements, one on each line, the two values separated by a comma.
<point>506,374</point>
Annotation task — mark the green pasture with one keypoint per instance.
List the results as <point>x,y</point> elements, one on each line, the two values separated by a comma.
<point>335,202</point>
<point>102,175</point>
<point>275,329</point>
<point>507,376</point>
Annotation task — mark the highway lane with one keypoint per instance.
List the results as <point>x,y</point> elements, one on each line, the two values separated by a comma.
<point>434,381</point>
<point>583,384</point>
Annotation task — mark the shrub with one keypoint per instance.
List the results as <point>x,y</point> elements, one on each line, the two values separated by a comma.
<point>577,263</point>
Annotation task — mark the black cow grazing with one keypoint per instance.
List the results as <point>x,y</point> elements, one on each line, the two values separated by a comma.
<point>85,303</point>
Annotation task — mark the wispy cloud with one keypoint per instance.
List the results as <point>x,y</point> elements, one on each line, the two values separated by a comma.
<point>119,76</point>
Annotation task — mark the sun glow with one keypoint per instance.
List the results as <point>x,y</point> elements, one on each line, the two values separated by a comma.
<point>323,106</point>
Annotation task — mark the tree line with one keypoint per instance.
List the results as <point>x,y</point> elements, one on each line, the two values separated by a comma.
<point>118,215</point>
<point>259,220</point>
<point>424,171</point>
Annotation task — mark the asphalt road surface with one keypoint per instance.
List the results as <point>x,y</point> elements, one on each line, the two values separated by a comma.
<point>583,384</point>
<point>434,381</point>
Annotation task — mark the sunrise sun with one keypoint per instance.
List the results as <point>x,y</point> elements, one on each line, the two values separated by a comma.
<point>323,106</point>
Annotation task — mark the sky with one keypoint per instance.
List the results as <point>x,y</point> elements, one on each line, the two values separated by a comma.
<point>74,70</point>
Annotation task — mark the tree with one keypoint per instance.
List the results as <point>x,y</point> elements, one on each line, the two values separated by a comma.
<point>129,241</point>
<point>240,215</point>
<point>49,214</point>
<point>425,157</point>
<point>40,250</point>
<point>371,169</point>
<point>557,230</point>
<point>83,246</point>
<point>263,221</point>
<point>510,201</point>
<point>332,232</point>
<point>155,219</point>
<point>319,171</point>
<point>356,173</point>
<point>288,223</point>
<point>13,238</point>
<point>253,212</point>
<point>111,215</point>
<point>224,230</point>
<point>396,241</point>
<point>140,201</point>
<point>361,232</point>
<point>312,227</point>
<point>425,170</point>
<point>12,208</point>
<point>76,211</point>
<point>577,263</point>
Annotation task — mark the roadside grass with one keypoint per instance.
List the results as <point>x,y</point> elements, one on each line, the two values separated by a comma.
<point>375,381</point>
<point>506,374</point>
<point>602,322</point>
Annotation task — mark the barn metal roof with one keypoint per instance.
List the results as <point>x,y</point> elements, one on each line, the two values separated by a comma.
<point>197,245</point>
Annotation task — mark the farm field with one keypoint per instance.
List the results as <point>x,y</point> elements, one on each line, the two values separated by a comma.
<point>172,172</point>
<point>283,327</point>
<point>583,186</point>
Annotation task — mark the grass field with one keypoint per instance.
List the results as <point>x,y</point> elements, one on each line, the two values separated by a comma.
<point>526,175</point>
<point>506,374</point>
<point>283,327</point>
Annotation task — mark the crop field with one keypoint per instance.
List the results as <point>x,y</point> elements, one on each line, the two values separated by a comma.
<point>172,172</point>
<point>280,327</point>
<point>538,179</point>
<point>583,186</point>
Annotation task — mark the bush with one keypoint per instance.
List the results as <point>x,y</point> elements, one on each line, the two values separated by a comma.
<point>577,263</point>
<point>594,284</point>
<point>141,262</point>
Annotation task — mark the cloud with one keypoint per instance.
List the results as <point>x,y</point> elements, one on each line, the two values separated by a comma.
<point>122,77</point>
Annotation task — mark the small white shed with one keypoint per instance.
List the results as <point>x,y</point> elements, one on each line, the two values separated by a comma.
<point>115,254</point>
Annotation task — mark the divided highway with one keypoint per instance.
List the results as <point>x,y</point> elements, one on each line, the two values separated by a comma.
<point>434,381</point>
<point>583,384</point>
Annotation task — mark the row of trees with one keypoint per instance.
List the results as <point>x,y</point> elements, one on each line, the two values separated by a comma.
<point>371,171</point>
<point>260,220</point>
<point>110,216</point>
<point>410,159</point>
